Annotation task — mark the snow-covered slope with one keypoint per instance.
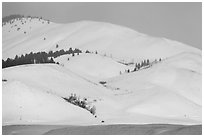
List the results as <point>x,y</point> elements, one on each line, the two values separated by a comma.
<point>38,85</point>
<point>167,92</point>
<point>154,95</point>
<point>92,65</point>
<point>109,39</point>
<point>166,89</point>
<point>25,105</point>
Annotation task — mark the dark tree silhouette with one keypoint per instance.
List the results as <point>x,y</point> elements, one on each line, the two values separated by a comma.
<point>147,61</point>
<point>87,51</point>
<point>138,66</point>
<point>35,58</point>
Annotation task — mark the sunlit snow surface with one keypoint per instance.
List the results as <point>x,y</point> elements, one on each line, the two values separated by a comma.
<point>169,92</point>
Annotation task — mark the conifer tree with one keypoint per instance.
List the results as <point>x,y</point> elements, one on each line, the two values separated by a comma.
<point>147,61</point>
<point>138,65</point>
<point>51,60</point>
<point>128,71</point>
<point>142,64</point>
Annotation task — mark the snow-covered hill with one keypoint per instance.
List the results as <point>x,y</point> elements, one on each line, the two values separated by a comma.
<point>92,64</point>
<point>109,39</point>
<point>167,92</point>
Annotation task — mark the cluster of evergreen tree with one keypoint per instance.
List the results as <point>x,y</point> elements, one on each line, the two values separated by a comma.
<point>63,52</point>
<point>143,64</point>
<point>36,58</point>
<point>10,19</point>
<point>73,99</point>
<point>32,58</point>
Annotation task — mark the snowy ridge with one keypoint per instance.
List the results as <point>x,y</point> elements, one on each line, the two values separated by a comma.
<point>106,38</point>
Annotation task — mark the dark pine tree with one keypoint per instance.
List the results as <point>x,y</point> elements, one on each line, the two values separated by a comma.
<point>70,51</point>
<point>147,61</point>
<point>87,51</point>
<point>50,53</point>
<point>142,64</point>
<point>3,64</point>
<point>51,60</point>
<point>138,65</point>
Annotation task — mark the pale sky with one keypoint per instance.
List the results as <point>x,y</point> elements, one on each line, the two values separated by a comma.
<point>176,21</point>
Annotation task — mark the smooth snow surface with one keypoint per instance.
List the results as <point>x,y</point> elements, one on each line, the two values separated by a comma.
<point>109,39</point>
<point>92,64</point>
<point>168,92</point>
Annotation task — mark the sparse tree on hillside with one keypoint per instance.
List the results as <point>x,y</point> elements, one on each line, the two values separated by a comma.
<point>142,64</point>
<point>87,51</point>
<point>138,66</point>
<point>147,61</point>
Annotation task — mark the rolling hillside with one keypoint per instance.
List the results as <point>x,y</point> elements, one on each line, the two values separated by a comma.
<point>168,91</point>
